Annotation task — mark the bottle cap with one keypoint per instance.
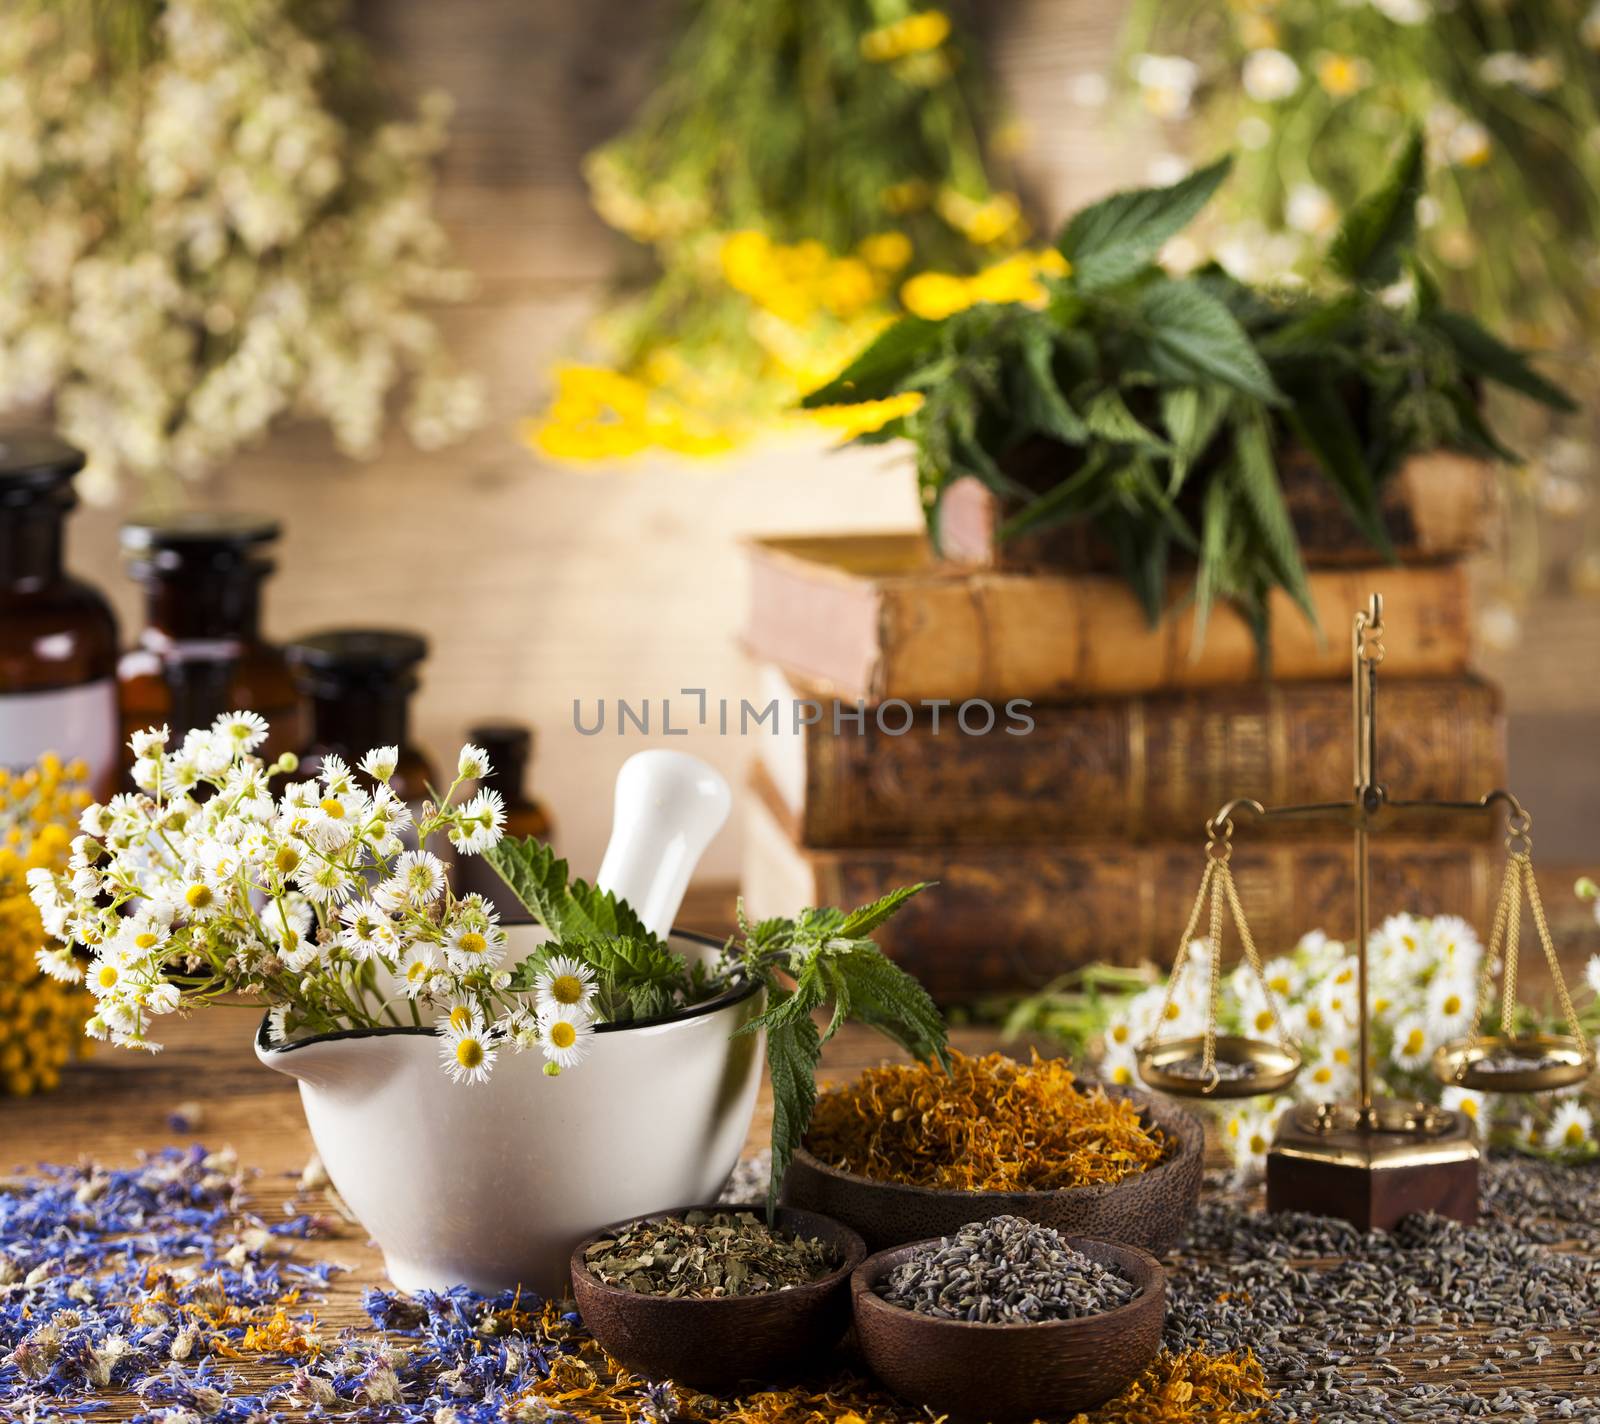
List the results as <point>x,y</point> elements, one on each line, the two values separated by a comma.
<point>35,463</point>
<point>196,538</point>
<point>504,741</point>
<point>350,657</point>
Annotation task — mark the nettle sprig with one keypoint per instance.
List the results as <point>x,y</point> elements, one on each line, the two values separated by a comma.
<point>824,960</point>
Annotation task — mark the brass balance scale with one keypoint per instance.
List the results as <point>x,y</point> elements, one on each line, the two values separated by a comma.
<point>1373,1160</point>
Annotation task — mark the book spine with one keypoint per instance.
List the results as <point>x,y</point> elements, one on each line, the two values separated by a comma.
<point>1012,919</point>
<point>1143,769</point>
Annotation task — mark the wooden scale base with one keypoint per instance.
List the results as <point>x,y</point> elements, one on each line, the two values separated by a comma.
<point>1402,1157</point>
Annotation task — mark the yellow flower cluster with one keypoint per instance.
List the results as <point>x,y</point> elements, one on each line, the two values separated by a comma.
<point>853,420</point>
<point>796,281</point>
<point>915,34</point>
<point>601,414</point>
<point>41,1021</point>
<point>1014,279</point>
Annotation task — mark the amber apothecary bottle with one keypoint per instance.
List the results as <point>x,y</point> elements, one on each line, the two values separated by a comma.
<point>201,653</point>
<point>510,749</point>
<point>357,684</point>
<point>58,637</point>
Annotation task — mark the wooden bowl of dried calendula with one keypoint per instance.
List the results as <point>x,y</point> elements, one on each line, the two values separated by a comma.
<point>712,1296</point>
<point>908,1151</point>
<point>1008,1320</point>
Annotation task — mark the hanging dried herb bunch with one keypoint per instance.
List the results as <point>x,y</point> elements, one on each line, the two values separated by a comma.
<point>990,1124</point>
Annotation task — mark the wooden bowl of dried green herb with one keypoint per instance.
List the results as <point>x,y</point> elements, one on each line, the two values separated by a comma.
<point>711,1296</point>
<point>907,1152</point>
<point>1007,1320</point>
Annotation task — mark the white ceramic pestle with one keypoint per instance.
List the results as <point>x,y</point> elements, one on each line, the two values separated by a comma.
<point>668,806</point>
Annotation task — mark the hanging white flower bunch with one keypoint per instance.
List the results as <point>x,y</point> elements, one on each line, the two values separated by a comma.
<point>204,230</point>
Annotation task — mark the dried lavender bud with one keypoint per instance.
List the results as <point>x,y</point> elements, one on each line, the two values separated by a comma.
<point>706,1255</point>
<point>1005,1271</point>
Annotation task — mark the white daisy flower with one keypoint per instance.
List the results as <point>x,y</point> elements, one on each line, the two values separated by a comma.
<point>1269,75</point>
<point>150,742</point>
<point>1454,943</point>
<point>420,967</point>
<point>418,880</point>
<point>564,985</point>
<point>518,1027</point>
<point>367,931</point>
<point>380,762</point>
<point>1452,1004</point>
<point>466,1052</point>
<point>1413,1046</point>
<point>58,963</point>
<point>335,819</point>
<point>335,775</point>
<point>473,945</point>
<point>479,823</point>
<point>473,763</point>
<point>326,882</point>
<point>1471,1104</point>
<point>161,998</point>
<point>1571,1128</point>
<point>245,731</point>
<point>566,1036</point>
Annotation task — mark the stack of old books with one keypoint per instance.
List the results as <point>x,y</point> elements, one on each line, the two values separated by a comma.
<point>1027,741</point>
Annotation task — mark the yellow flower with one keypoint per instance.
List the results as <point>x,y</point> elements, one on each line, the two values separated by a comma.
<point>935,295</point>
<point>915,34</point>
<point>1341,75</point>
<point>887,251</point>
<point>849,285</point>
<point>862,419</point>
<point>986,223</point>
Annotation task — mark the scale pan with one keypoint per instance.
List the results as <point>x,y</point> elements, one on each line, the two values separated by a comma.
<point>1531,1063</point>
<point>1245,1067</point>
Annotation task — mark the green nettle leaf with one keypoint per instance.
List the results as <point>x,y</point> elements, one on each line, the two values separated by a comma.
<point>569,910</point>
<point>1487,356</point>
<point>1038,404</point>
<point>1211,576</point>
<point>1191,335</point>
<point>1108,417</point>
<point>864,921</point>
<point>1371,243</point>
<point>880,370</point>
<point>1258,481</point>
<point>1192,416</point>
<point>1114,240</point>
<point>1321,422</point>
<point>793,1050</point>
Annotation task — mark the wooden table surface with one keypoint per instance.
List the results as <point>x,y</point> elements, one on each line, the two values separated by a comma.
<point>117,1104</point>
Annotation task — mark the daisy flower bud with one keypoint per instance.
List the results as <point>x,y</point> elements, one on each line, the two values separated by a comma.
<point>473,763</point>
<point>380,762</point>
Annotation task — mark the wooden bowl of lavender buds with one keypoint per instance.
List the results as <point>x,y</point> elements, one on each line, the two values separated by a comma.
<point>712,1296</point>
<point>1009,1320</point>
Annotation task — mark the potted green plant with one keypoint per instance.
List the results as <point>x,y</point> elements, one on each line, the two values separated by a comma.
<point>1140,420</point>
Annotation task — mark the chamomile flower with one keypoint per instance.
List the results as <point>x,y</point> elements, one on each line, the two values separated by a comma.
<point>419,969</point>
<point>564,985</point>
<point>240,731</point>
<point>1412,1044</point>
<point>1452,1002</point>
<point>473,763</point>
<point>466,1050</point>
<point>418,881</point>
<point>473,945</point>
<point>333,822</point>
<point>566,1035</point>
<point>57,962</point>
<point>336,776</point>
<point>480,823</point>
<point>324,881</point>
<point>1469,1103</point>
<point>387,817</point>
<point>380,763</point>
<point>150,742</point>
<point>1571,1128</point>
<point>366,930</point>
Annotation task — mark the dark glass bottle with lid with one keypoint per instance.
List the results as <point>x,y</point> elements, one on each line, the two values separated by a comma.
<point>58,636</point>
<point>510,749</point>
<point>201,652</point>
<point>357,684</point>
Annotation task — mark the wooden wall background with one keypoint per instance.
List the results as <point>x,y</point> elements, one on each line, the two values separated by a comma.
<point>539,583</point>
